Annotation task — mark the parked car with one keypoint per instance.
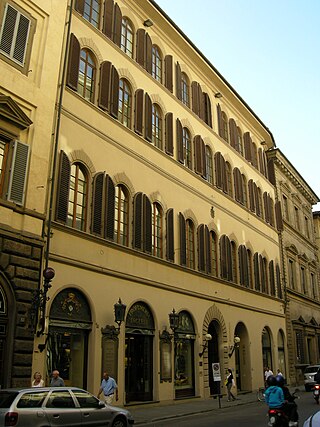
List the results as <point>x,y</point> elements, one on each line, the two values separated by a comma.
<point>59,406</point>
<point>309,374</point>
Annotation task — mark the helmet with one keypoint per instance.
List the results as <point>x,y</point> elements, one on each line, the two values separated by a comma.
<point>280,380</point>
<point>271,380</point>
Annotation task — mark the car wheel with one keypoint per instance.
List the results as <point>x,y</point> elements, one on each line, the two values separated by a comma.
<point>119,422</point>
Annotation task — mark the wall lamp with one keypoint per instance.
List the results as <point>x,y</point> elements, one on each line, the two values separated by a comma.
<point>173,320</point>
<point>218,95</point>
<point>208,338</point>
<point>39,300</point>
<point>236,344</point>
<point>148,23</point>
<point>119,312</point>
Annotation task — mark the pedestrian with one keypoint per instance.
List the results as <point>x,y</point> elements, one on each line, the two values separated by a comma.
<point>267,373</point>
<point>279,373</point>
<point>230,383</point>
<point>109,388</point>
<point>37,380</point>
<point>56,380</point>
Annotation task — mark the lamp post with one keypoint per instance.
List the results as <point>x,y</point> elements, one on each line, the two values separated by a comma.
<point>208,338</point>
<point>173,320</point>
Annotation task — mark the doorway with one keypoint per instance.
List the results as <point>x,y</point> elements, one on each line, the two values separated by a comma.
<point>213,356</point>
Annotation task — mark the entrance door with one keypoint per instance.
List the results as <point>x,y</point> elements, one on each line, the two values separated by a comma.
<point>213,356</point>
<point>139,368</point>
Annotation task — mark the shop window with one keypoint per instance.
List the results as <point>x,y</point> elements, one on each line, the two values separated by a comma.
<point>16,36</point>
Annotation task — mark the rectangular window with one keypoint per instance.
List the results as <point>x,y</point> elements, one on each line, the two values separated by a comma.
<point>306,225</point>
<point>297,218</point>
<point>291,272</point>
<point>285,207</point>
<point>303,280</point>
<point>16,33</point>
<point>300,347</point>
<point>313,286</point>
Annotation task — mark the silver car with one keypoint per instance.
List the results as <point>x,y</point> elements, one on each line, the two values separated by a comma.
<point>309,374</point>
<point>59,406</point>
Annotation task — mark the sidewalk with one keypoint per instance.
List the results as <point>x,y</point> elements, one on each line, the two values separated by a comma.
<point>153,412</point>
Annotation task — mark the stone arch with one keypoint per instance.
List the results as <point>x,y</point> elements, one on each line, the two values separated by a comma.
<point>124,73</point>
<point>122,178</point>
<point>156,197</point>
<point>155,98</point>
<point>189,214</point>
<point>86,42</point>
<point>187,124</point>
<point>80,155</point>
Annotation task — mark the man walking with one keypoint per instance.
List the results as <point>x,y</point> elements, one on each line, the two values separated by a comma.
<point>109,388</point>
<point>56,380</point>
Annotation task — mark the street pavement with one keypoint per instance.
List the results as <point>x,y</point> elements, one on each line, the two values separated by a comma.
<point>153,412</point>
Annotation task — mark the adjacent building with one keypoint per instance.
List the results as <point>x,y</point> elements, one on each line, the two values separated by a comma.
<point>153,195</point>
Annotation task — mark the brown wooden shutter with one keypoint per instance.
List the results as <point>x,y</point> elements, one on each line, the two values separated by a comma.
<point>201,112</point>
<point>271,172</point>
<point>207,107</point>
<point>254,157</point>
<point>195,98</point>
<point>237,184</point>
<point>108,18</point>
<point>117,23</point>
<point>148,118</point>
<point>201,249</point>
<point>217,160</point>
<point>266,207</point>
<point>138,113</point>
<point>169,134</point>
<point>271,212</point>
<point>148,62</point>
<point>224,175</point>
<point>247,146</point>
<point>271,278</point>
<point>79,6</point>
<point>233,134</point>
<point>104,86</point>
<point>203,159</point>
<point>147,225</point>
<point>220,124</point>
<point>229,260</point>
<point>256,272</point>
<point>168,80</point>
<point>207,248</point>
<point>279,220</point>
<point>183,249</point>
<point>223,257</point>
<point>141,43</point>
<point>110,208</point>
<point>114,94</point>
<point>170,235</point>
<point>63,188</point>
<point>246,275</point>
<point>261,163</point>
<point>180,141</point>
<point>178,81</point>
<point>197,155</point>
<point>98,204</point>
<point>18,171</point>
<point>278,278</point>
<point>241,265</point>
<point>251,196</point>
<point>137,221</point>
<point>73,62</point>
<point>257,198</point>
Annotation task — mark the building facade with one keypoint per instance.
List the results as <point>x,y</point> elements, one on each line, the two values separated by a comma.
<point>156,194</point>
<point>300,270</point>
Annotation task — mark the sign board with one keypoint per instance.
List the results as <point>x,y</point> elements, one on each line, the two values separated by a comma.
<point>216,372</point>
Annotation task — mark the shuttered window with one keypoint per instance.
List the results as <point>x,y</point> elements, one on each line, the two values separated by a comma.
<point>14,34</point>
<point>138,112</point>
<point>239,144</point>
<point>169,134</point>
<point>87,72</point>
<point>142,223</point>
<point>233,134</point>
<point>214,253</point>
<point>247,146</point>
<point>204,249</point>
<point>272,285</point>
<point>226,264</point>
<point>156,64</point>
<point>168,62</point>
<point>209,165</point>
<point>127,37</point>
<point>178,81</point>
<point>63,188</point>
<point>185,89</point>
<point>157,230</point>
<point>183,248</point>
<point>243,266</point>
<point>229,179</point>
<point>170,235</point>
<point>125,101</point>
<point>278,282</point>
<point>225,131</point>
<point>257,275</point>
<point>187,148</point>
<point>108,18</point>
<point>78,193</point>
<point>254,155</point>
<point>190,244</point>
<point>91,10</point>
<point>73,63</point>
<point>200,160</point>
<point>121,217</point>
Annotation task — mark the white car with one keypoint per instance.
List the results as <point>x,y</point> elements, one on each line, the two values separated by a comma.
<point>309,374</point>
<point>314,420</point>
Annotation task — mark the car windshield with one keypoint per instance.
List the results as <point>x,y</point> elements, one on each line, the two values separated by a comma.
<point>6,398</point>
<point>311,369</point>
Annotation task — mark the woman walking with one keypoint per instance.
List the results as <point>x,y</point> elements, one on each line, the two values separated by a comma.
<point>230,384</point>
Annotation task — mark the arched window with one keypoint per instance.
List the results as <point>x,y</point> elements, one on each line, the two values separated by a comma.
<point>156,126</point>
<point>190,244</point>
<point>78,194</point>
<point>157,230</point>
<point>226,258</point>
<point>225,130</point>
<point>214,253</point>
<point>87,72</point>
<point>209,165</point>
<point>239,141</point>
<point>254,154</point>
<point>127,37</point>
<point>187,148</point>
<point>185,91</point>
<point>156,64</point>
<point>125,101</point>
<point>245,190</point>
<point>121,215</point>
<point>91,12</point>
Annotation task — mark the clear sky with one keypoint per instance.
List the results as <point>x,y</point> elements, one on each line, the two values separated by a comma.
<point>269,51</point>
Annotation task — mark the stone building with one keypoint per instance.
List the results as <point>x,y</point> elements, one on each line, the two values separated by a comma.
<point>300,270</point>
<point>148,190</point>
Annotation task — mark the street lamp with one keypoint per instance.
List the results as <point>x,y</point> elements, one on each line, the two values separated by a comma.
<point>208,338</point>
<point>119,312</point>
<point>236,344</point>
<point>173,320</point>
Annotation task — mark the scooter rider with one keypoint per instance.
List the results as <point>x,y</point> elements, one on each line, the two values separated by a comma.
<point>289,407</point>
<point>274,395</point>
<point>317,377</point>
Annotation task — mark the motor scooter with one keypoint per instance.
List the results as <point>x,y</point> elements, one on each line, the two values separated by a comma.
<point>316,393</point>
<point>279,418</point>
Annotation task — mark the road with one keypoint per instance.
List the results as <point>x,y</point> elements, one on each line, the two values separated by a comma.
<point>249,415</point>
